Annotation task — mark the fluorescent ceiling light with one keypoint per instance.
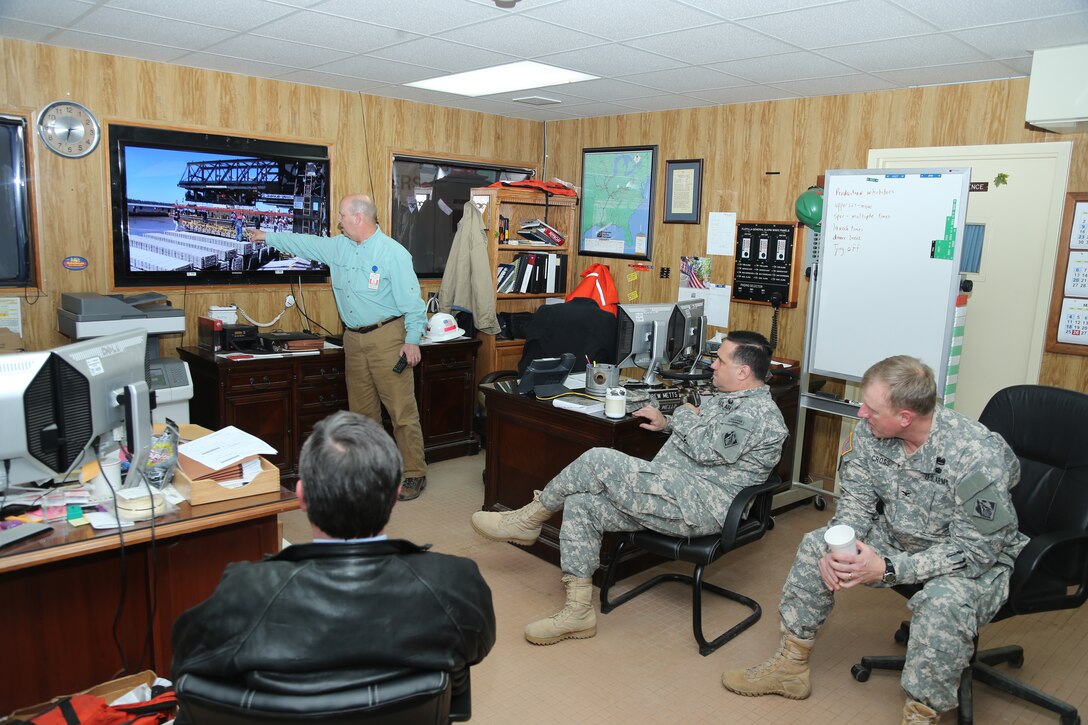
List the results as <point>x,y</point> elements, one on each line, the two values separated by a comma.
<point>502,78</point>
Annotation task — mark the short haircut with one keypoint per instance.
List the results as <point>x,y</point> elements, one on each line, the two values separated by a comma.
<point>350,469</point>
<point>910,382</point>
<point>364,205</point>
<point>752,350</point>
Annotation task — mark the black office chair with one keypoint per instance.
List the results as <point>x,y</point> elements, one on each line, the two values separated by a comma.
<point>749,517</point>
<point>1047,429</point>
<point>329,698</point>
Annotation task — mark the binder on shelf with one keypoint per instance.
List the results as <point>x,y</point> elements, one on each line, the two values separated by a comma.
<point>527,278</point>
<point>539,230</point>
<point>502,272</point>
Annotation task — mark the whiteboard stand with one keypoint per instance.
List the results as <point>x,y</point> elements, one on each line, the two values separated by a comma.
<point>885,284</point>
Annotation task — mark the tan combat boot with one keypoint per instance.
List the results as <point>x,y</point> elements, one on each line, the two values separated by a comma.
<point>785,673</point>
<point>577,620</point>
<point>915,713</point>
<point>521,527</point>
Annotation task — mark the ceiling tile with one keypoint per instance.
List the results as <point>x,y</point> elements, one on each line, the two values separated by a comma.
<point>338,33</point>
<point>682,80</point>
<point>33,32</point>
<point>955,73</point>
<point>426,17</point>
<point>147,28</point>
<point>410,93</point>
<point>236,15</point>
<point>956,15</point>
<point>1012,40</point>
<point>387,71</point>
<point>450,57</point>
<point>665,102</point>
<point>57,13</point>
<point>603,89</point>
<point>281,52</point>
<point>1021,66</point>
<point>747,94</point>
<point>609,60</point>
<point>329,80</point>
<point>588,110</point>
<point>612,20</point>
<point>848,22</point>
<point>857,83</point>
<point>232,65</point>
<point>736,9</point>
<point>712,44</point>
<point>901,53</point>
<point>117,46</point>
<point>785,67</point>
<point>522,36</point>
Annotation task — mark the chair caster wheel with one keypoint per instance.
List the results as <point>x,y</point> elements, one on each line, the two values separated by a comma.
<point>819,503</point>
<point>902,634</point>
<point>770,523</point>
<point>860,672</point>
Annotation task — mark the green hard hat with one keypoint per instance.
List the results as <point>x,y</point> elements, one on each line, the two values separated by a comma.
<point>810,207</point>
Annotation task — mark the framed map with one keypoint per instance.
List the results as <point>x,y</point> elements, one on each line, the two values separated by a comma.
<point>618,202</point>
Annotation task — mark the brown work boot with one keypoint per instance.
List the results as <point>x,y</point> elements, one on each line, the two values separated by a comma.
<point>410,488</point>
<point>785,673</point>
<point>521,527</point>
<point>915,713</point>
<point>577,620</point>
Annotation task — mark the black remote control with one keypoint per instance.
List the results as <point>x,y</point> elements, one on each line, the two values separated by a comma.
<point>401,364</point>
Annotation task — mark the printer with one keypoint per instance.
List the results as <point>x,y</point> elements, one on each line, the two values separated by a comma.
<point>83,315</point>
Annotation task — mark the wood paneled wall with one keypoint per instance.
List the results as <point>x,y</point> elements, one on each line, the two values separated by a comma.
<point>741,145</point>
<point>72,205</point>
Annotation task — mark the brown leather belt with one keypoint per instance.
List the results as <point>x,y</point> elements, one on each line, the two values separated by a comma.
<point>371,328</point>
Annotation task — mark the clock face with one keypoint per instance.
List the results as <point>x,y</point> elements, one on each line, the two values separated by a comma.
<point>68,129</point>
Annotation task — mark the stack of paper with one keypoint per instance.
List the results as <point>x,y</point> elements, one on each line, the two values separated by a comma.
<point>230,457</point>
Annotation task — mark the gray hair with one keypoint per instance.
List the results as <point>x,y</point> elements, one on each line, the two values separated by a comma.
<point>910,382</point>
<point>350,469</point>
<point>364,205</point>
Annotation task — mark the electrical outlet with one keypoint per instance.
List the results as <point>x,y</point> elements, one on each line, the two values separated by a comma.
<point>289,301</point>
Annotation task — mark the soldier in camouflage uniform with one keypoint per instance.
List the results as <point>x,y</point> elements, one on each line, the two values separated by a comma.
<point>948,524</point>
<point>732,441</point>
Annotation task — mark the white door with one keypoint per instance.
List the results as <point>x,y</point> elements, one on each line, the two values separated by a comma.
<point>1007,311</point>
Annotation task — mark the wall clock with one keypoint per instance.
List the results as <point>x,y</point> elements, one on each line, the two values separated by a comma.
<point>69,129</point>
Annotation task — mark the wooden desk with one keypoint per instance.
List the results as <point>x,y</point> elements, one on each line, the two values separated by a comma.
<point>529,442</point>
<point>61,592</point>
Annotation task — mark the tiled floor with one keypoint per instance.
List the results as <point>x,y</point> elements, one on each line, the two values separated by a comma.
<point>644,667</point>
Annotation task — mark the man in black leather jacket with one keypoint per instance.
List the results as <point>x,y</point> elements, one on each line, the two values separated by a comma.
<point>351,600</point>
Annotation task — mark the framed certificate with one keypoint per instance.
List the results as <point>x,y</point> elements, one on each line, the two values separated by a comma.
<point>683,191</point>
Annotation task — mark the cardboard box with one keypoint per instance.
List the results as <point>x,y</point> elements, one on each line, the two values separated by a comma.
<point>10,342</point>
<point>108,691</point>
<point>203,491</point>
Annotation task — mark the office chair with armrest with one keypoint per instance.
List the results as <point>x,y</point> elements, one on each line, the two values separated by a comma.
<point>1046,429</point>
<point>749,517</point>
<point>328,698</point>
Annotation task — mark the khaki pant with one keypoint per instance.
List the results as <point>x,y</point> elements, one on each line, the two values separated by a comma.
<point>369,360</point>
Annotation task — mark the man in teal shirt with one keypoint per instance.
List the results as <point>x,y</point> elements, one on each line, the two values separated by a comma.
<point>377,295</point>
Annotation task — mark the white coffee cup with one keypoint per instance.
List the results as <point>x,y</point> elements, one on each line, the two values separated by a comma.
<point>109,466</point>
<point>615,403</point>
<point>841,538</point>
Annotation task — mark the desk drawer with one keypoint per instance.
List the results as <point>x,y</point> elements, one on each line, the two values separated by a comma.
<point>459,358</point>
<point>320,372</point>
<point>258,380</point>
<point>325,398</point>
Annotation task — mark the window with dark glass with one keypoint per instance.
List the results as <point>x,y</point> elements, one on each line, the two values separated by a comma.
<point>16,249</point>
<point>429,197</point>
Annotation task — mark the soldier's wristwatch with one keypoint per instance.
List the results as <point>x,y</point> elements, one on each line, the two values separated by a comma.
<point>889,572</point>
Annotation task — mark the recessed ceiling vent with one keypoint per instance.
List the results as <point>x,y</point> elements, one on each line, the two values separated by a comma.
<point>536,100</point>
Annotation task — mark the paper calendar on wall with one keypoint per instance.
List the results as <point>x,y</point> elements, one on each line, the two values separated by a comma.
<point>1067,330</point>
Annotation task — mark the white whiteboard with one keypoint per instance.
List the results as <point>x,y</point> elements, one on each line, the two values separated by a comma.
<point>888,272</point>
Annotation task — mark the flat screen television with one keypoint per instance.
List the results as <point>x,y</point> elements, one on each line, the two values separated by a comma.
<point>183,204</point>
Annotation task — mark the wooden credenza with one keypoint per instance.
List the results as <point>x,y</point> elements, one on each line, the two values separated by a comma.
<point>79,606</point>
<point>280,400</point>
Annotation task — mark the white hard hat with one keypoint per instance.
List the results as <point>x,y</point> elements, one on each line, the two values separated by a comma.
<point>442,327</point>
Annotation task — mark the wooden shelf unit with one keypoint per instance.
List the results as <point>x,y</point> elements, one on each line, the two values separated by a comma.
<point>521,205</point>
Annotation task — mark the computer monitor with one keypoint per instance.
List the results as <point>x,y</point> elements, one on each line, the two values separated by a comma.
<point>641,335</point>
<point>57,403</point>
<point>687,333</point>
